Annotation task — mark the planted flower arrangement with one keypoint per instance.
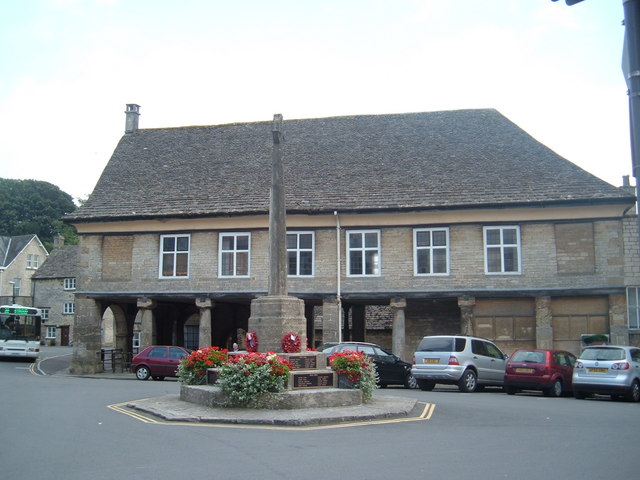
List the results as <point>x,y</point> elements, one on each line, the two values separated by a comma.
<point>244,378</point>
<point>358,369</point>
<point>192,370</point>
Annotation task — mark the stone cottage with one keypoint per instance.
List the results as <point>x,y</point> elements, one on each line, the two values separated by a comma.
<point>54,288</point>
<point>455,221</point>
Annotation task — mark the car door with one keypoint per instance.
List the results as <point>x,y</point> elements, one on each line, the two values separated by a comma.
<point>175,357</point>
<point>495,362</point>
<point>564,362</point>
<point>159,361</point>
<point>387,365</point>
<point>369,350</point>
<point>481,360</point>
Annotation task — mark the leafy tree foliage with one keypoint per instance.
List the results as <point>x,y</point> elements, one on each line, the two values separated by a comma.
<point>35,207</point>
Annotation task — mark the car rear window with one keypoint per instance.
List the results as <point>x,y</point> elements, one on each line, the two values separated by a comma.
<point>528,357</point>
<point>603,354</point>
<point>442,344</point>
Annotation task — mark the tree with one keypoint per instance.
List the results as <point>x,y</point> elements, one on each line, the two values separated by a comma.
<point>35,207</point>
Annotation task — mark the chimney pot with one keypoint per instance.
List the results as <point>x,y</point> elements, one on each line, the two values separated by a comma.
<point>132,113</point>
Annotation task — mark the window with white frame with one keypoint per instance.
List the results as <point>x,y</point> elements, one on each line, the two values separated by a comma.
<point>135,342</point>
<point>233,257</point>
<point>633,307</point>
<point>16,285</point>
<point>69,283</point>
<point>69,308</point>
<point>431,251</point>
<point>300,246</point>
<point>51,332</point>
<point>174,256</point>
<point>33,261</point>
<point>502,249</point>
<point>44,314</point>
<point>364,253</point>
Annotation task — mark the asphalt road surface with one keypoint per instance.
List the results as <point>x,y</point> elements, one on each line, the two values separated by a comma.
<point>55,426</point>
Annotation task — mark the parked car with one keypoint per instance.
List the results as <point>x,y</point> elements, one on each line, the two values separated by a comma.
<point>469,362</point>
<point>536,369</point>
<point>391,370</point>
<point>610,370</point>
<point>158,361</point>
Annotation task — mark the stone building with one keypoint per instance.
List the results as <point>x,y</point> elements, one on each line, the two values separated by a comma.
<point>20,258</point>
<point>54,288</point>
<point>455,222</point>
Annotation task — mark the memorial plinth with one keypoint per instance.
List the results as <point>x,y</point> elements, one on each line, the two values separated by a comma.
<point>272,316</point>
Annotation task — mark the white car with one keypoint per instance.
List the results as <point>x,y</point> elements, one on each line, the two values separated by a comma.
<point>610,370</point>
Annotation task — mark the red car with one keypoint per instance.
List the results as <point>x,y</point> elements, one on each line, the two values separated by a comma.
<point>158,361</point>
<point>535,369</point>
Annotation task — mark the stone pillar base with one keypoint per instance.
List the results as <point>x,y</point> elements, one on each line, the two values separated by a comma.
<point>273,316</point>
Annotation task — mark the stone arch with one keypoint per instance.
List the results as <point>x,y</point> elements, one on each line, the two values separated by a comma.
<point>114,330</point>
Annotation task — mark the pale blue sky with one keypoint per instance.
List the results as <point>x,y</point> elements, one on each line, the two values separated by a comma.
<point>68,67</point>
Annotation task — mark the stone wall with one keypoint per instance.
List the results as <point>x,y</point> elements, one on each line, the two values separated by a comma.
<point>132,262</point>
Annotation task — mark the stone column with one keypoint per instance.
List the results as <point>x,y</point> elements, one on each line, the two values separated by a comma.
<point>331,319</point>
<point>398,333</point>
<point>544,325</point>
<point>86,337</point>
<point>618,322</point>
<point>148,324</point>
<point>466,305</point>
<point>204,330</point>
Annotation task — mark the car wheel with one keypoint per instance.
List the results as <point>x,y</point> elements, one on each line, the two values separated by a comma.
<point>555,390</point>
<point>510,390</point>
<point>158,377</point>
<point>410,381</point>
<point>425,385</point>
<point>634,393</point>
<point>468,383</point>
<point>579,395</point>
<point>383,385</point>
<point>142,372</point>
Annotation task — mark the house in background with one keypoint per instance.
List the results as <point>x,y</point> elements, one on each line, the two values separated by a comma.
<point>20,258</point>
<point>54,288</point>
<point>454,222</point>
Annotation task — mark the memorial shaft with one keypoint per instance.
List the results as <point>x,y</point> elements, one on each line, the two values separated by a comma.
<point>277,220</point>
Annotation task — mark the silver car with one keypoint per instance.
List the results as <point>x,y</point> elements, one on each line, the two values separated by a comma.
<point>610,370</point>
<point>469,362</point>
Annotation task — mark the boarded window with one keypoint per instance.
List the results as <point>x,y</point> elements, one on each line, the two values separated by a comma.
<point>575,252</point>
<point>116,258</point>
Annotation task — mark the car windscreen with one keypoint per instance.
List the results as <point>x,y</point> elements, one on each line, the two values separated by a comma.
<point>441,344</point>
<point>603,354</point>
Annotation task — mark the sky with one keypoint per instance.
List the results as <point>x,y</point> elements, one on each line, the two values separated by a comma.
<point>69,67</point>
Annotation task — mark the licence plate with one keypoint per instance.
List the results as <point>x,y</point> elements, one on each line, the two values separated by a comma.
<point>598,370</point>
<point>524,370</point>
<point>431,360</point>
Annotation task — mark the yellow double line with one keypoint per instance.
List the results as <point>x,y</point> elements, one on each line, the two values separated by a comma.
<point>426,414</point>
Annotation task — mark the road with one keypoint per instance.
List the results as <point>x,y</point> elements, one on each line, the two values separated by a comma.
<point>60,427</point>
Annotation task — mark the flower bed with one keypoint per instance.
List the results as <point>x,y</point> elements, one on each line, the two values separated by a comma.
<point>192,370</point>
<point>245,377</point>
<point>358,370</point>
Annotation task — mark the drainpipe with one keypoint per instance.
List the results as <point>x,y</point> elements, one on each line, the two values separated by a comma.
<point>338,278</point>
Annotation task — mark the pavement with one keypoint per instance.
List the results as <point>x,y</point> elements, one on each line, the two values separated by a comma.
<point>55,361</point>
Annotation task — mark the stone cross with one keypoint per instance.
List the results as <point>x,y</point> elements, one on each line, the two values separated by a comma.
<point>277,213</point>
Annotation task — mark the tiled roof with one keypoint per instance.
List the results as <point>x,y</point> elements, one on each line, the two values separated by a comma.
<point>62,262</point>
<point>413,161</point>
<point>10,247</point>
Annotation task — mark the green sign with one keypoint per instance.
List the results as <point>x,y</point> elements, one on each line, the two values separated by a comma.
<point>18,311</point>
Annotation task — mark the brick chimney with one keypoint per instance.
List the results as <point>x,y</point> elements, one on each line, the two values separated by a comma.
<point>132,112</point>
